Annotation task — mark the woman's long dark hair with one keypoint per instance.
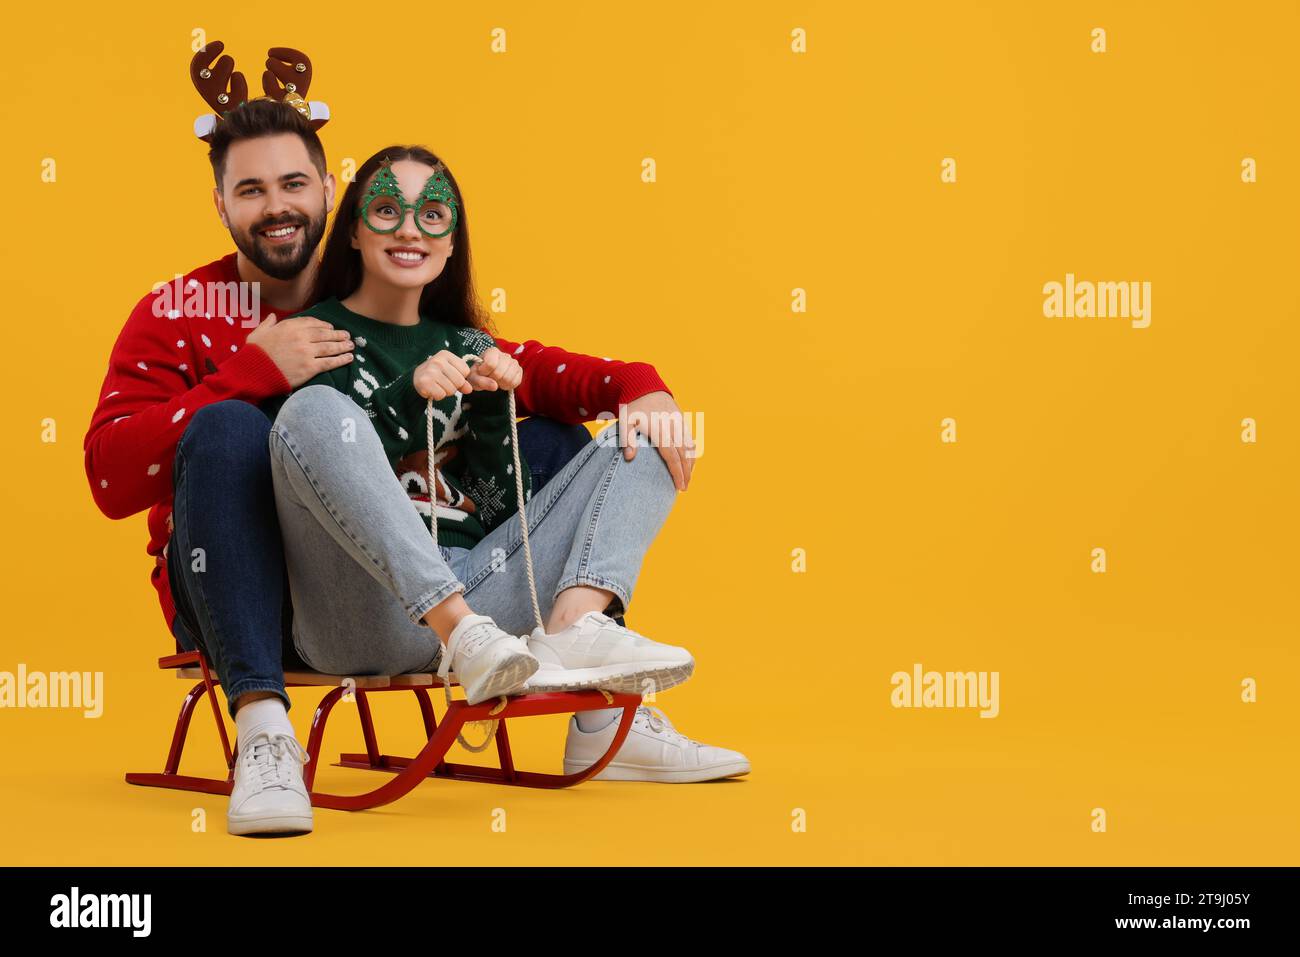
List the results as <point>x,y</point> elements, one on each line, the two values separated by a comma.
<point>450,298</point>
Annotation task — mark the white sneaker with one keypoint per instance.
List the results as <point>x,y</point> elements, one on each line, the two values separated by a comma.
<point>653,751</point>
<point>487,661</point>
<point>269,796</point>
<point>596,652</point>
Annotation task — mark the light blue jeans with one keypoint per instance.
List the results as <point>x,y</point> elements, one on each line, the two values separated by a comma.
<point>362,567</point>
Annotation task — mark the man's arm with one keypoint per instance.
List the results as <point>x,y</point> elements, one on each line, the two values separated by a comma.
<point>574,388</point>
<point>149,395</point>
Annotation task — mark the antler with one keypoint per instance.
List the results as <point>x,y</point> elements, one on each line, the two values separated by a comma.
<point>211,79</point>
<point>287,71</point>
<point>287,78</point>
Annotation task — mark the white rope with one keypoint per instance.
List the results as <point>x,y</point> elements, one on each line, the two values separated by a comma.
<point>523,526</point>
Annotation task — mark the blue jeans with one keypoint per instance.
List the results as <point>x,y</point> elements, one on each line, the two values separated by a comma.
<point>230,597</point>
<point>363,569</point>
<point>224,561</point>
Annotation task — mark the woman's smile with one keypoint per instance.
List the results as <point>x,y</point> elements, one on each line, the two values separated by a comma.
<point>408,257</point>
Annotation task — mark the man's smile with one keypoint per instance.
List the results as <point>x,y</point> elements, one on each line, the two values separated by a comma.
<point>281,234</point>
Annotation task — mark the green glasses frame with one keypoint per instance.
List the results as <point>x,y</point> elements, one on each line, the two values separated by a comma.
<point>436,189</point>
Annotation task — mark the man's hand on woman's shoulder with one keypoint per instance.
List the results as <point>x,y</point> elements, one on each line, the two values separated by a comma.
<point>302,346</point>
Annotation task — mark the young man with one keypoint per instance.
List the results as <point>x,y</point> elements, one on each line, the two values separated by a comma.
<point>177,432</point>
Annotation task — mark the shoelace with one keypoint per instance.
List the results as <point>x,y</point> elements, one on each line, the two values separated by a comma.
<point>264,752</point>
<point>595,620</point>
<point>660,723</point>
<point>466,639</point>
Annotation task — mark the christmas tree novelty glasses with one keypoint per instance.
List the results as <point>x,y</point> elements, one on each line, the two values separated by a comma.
<point>383,208</point>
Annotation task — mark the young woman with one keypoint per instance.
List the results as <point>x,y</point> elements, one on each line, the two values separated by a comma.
<point>349,450</point>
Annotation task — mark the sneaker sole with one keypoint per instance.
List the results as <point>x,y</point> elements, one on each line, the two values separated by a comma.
<point>506,678</point>
<point>270,824</point>
<point>630,772</point>
<point>618,679</point>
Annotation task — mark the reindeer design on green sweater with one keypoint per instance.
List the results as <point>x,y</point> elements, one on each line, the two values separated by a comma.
<point>413,470</point>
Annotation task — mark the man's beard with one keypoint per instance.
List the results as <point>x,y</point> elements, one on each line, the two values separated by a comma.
<point>282,262</point>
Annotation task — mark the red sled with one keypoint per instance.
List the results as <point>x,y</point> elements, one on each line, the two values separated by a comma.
<point>406,772</point>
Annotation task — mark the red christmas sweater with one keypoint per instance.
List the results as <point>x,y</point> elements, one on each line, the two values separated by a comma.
<point>184,347</point>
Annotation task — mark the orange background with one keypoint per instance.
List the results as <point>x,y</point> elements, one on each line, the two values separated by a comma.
<point>776,171</point>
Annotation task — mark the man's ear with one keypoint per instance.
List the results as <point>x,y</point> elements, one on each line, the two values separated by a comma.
<point>220,203</point>
<point>330,186</point>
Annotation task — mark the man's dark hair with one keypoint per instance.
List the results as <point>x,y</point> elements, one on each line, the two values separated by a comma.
<point>262,117</point>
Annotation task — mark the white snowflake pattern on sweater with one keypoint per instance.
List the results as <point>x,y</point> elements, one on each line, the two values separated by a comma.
<point>476,341</point>
<point>488,496</point>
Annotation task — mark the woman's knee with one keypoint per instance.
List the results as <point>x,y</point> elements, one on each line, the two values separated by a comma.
<point>320,415</point>
<point>311,407</point>
<point>647,461</point>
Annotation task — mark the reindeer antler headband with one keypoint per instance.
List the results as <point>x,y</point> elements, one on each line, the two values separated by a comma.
<point>287,77</point>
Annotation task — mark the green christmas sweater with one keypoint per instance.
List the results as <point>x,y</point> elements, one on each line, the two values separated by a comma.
<point>472,452</point>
